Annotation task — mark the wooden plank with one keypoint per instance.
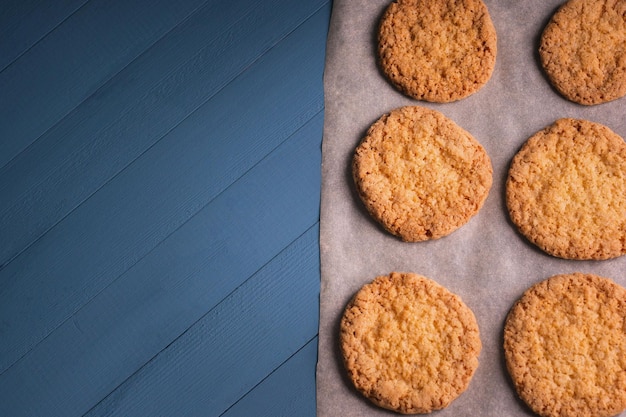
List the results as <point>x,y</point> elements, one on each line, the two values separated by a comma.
<point>128,217</point>
<point>209,257</point>
<point>69,65</point>
<point>135,110</point>
<point>222,357</point>
<point>24,22</point>
<point>288,391</point>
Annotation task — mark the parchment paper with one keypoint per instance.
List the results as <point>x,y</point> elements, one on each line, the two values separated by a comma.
<point>486,262</point>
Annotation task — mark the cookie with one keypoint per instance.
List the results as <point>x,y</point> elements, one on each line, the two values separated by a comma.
<point>583,50</point>
<point>565,346</point>
<point>419,174</point>
<point>566,190</point>
<point>437,50</point>
<point>409,344</point>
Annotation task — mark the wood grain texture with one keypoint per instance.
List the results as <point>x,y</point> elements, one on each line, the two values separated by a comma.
<point>222,357</point>
<point>139,314</point>
<point>69,65</point>
<point>159,223</point>
<point>25,22</point>
<point>111,231</point>
<point>135,110</point>
<point>290,395</point>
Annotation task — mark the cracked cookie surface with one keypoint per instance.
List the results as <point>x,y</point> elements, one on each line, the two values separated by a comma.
<point>583,50</point>
<point>566,190</point>
<point>408,343</point>
<point>437,50</point>
<point>565,346</point>
<point>419,174</point>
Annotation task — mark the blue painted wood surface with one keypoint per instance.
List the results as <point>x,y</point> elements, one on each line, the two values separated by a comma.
<point>159,206</point>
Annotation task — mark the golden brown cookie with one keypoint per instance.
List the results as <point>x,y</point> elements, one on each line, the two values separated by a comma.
<point>583,50</point>
<point>419,174</point>
<point>566,190</point>
<point>409,344</point>
<point>437,50</point>
<point>565,346</point>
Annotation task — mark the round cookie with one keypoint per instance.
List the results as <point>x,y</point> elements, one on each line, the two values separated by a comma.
<point>566,190</point>
<point>565,346</point>
<point>409,344</point>
<point>437,50</point>
<point>583,50</point>
<point>419,174</point>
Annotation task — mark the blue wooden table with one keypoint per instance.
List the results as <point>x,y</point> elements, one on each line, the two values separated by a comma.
<point>159,206</point>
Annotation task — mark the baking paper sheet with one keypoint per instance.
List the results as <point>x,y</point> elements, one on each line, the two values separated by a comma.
<point>486,262</point>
